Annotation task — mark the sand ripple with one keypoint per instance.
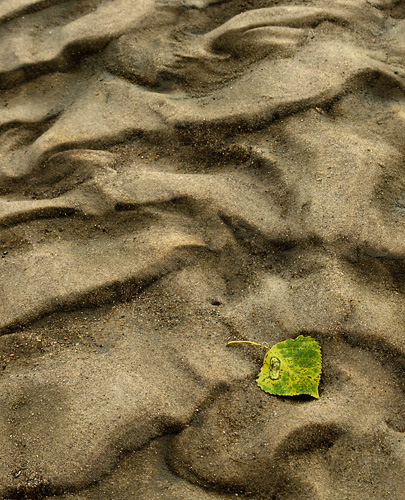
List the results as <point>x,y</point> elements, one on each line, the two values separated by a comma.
<point>175,175</point>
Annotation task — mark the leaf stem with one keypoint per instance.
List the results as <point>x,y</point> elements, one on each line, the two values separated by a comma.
<point>247,342</point>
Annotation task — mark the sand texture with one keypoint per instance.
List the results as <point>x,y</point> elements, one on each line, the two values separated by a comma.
<point>177,174</point>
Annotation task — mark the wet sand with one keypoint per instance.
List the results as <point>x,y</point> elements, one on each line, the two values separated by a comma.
<point>177,175</point>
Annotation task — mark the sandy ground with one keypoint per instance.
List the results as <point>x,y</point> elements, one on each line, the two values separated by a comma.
<point>175,175</point>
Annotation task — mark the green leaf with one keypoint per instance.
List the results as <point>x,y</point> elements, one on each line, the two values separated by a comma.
<point>291,368</point>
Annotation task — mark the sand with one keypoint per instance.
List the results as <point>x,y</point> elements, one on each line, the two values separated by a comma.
<point>175,175</point>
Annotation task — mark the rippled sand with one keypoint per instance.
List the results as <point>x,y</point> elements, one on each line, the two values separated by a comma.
<point>175,175</point>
